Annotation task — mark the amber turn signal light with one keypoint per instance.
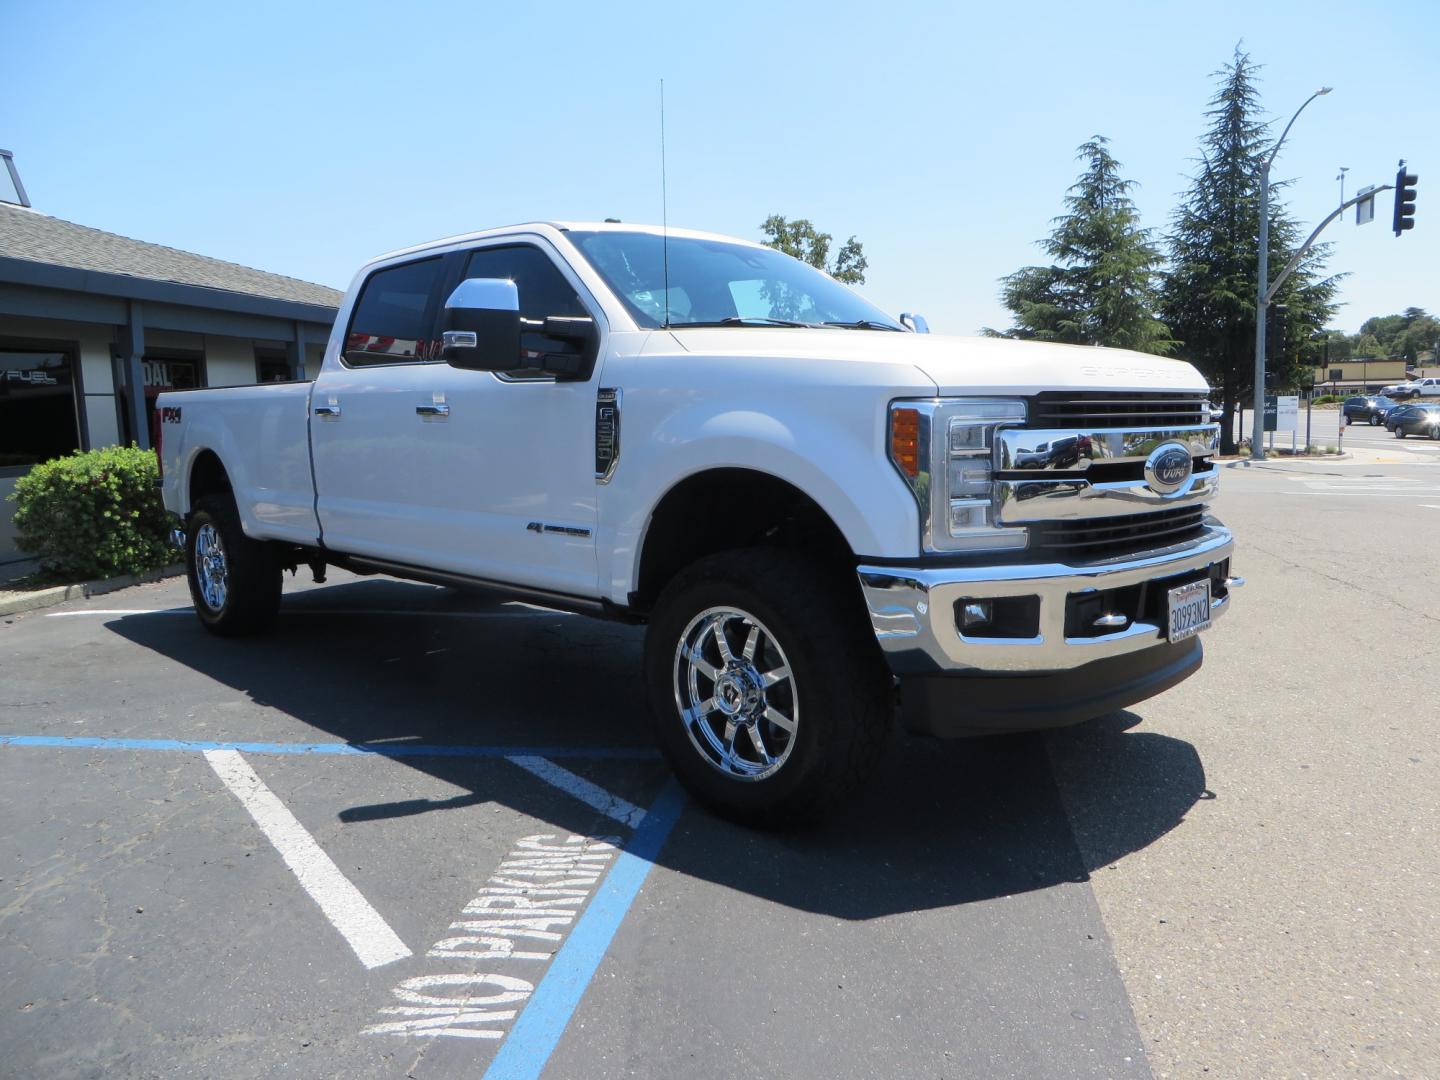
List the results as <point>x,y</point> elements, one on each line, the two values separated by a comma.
<point>905,440</point>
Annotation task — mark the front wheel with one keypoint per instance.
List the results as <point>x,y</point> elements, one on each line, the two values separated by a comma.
<point>235,582</point>
<point>1374,420</point>
<point>770,699</point>
<point>1399,433</point>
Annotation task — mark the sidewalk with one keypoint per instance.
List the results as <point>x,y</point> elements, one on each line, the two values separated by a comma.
<point>14,601</point>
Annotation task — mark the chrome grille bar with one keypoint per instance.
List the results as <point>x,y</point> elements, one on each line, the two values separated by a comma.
<point>1028,450</point>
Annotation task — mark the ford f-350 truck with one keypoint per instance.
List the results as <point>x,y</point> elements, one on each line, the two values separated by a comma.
<point>824,518</point>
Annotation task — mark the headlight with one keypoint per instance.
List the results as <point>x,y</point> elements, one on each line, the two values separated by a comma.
<point>945,450</point>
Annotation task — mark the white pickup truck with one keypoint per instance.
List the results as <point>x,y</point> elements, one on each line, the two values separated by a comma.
<point>1427,387</point>
<point>824,517</point>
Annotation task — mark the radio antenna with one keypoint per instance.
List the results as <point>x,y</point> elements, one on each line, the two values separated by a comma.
<point>664,209</point>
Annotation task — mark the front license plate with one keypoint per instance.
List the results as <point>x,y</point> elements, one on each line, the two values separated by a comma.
<point>1189,610</point>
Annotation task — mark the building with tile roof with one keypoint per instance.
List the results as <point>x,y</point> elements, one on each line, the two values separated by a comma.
<point>93,326</point>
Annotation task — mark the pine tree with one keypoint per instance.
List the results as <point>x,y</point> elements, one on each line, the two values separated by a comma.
<point>1208,296</point>
<point>1102,287</point>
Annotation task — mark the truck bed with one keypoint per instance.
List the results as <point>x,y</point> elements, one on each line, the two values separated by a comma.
<point>261,433</point>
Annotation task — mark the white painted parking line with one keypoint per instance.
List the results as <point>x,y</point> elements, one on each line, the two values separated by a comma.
<point>592,795</point>
<point>348,911</point>
<point>118,611</point>
<point>530,613</point>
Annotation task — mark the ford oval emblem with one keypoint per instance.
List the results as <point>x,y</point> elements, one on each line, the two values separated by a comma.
<point>1167,468</point>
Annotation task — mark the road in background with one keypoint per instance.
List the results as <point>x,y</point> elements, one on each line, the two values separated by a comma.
<point>1288,926</point>
<point>1325,431</point>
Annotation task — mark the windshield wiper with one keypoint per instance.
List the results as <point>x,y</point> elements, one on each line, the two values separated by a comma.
<point>864,324</point>
<point>740,320</point>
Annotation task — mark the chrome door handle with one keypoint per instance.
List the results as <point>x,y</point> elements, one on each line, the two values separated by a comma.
<point>432,410</point>
<point>328,411</point>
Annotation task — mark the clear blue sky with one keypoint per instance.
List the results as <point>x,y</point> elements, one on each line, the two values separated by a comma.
<point>304,138</point>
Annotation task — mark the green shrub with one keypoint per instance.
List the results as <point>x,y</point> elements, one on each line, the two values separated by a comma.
<point>93,514</point>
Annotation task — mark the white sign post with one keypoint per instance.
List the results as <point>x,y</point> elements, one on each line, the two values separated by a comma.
<point>1287,416</point>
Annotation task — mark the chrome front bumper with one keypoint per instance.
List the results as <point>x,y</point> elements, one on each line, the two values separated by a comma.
<point>913,610</point>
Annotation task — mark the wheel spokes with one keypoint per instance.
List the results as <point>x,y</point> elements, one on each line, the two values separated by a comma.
<point>753,730</point>
<point>751,641</point>
<point>700,664</point>
<point>779,675</point>
<point>780,720</point>
<point>722,642</point>
<point>726,693</point>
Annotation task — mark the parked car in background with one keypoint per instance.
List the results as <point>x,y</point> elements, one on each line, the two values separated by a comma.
<point>1371,409</point>
<point>1414,420</point>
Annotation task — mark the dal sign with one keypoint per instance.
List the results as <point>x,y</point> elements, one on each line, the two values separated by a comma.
<point>1281,413</point>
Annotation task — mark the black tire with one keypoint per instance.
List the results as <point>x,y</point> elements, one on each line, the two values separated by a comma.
<point>1399,433</point>
<point>247,570</point>
<point>1374,420</point>
<point>839,693</point>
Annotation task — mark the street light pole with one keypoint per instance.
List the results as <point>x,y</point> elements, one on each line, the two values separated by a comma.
<point>1257,434</point>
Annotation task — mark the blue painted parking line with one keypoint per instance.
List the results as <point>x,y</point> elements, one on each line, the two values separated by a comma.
<point>527,1049</point>
<point>389,750</point>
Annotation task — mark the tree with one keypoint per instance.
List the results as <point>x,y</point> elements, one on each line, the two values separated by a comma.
<point>1208,295</point>
<point>802,240</point>
<point>1102,287</point>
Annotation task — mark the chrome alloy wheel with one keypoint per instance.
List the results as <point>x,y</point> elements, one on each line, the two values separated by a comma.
<point>736,693</point>
<point>210,569</point>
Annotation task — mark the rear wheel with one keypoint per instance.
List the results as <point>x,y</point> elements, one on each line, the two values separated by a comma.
<point>235,582</point>
<point>770,699</point>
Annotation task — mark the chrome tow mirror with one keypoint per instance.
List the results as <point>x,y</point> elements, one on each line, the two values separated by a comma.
<point>481,325</point>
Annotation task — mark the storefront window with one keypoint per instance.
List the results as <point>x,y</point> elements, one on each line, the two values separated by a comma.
<point>37,406</point>
<point>170,370</point>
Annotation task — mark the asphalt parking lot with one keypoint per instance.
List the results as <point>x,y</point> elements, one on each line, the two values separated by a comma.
<point>414,834</point>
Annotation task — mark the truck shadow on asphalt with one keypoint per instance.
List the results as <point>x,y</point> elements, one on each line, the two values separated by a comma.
<point>943,823</point>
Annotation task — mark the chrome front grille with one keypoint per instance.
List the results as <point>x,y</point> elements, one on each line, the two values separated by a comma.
<point>1078,475</point>
<point>1107,409</point>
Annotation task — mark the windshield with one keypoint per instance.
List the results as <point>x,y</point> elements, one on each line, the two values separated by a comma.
<point>717,283</point>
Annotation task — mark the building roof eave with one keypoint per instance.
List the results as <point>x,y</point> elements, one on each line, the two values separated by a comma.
<point>129,287</point>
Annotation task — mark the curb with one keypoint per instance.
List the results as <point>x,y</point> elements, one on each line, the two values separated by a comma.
<point>15,603</point>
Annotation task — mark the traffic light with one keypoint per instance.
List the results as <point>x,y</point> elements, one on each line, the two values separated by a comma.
<point>1404,200</point>
<point>1277,329</point>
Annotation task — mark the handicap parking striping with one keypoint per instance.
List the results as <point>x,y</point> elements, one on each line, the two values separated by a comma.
<point>536,893</point>
<point>525,1053</point>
